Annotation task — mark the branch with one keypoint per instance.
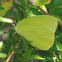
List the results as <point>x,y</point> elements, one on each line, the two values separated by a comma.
<point>46,13</point>
<point>8,59</point>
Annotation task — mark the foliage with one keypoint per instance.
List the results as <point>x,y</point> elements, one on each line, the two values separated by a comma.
<point>10,41</point>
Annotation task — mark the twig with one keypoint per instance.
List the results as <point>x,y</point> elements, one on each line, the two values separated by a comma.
<point>8,59</point>
<point>46,13</point>
<point>43,10</point>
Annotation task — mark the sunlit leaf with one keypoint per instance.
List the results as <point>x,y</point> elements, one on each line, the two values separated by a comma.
<point>2,19</point>
<point>3,55</point>
<point>6,7</point>
<point>33,57</point>
<point>1,44</point>
<point>42,2</point>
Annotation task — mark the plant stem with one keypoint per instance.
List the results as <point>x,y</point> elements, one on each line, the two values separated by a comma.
<point>43,10</point>
<point>8,59</point>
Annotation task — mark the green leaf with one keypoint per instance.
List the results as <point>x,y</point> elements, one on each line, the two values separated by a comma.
<point>6,7</point>
<point>33,57</point>
<point>57,11</point>
<point>59,35</point>
<point>2,19</point>
<point>54,6</point>
<point>1,44</point>
<point>41,2</point>
<point>38,29</point>
<point>3,55</point>
<point>58,46</point>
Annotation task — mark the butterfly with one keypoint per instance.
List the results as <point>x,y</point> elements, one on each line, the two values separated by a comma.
<point>38,29</point>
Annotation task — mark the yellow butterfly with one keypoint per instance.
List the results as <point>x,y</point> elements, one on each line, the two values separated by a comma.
<point>39,29</point>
